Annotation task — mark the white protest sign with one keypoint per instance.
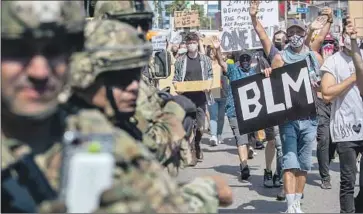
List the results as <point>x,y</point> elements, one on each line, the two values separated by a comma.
<point>158,42</point>
<point>238,32</point>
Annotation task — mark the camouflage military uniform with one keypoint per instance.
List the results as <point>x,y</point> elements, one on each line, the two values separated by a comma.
<point>141,184</point>
<point>161,123</point>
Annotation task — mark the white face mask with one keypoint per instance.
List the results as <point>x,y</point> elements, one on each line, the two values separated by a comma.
<point>192,47</point>
<point>182,51</point>
<point>347,42</point>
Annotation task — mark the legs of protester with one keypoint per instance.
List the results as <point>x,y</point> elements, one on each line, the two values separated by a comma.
<point>199,133</point>
<point>213,111</point>
<point>359,198</point>
<point>269,156</point>
<point>242,147</point>
<point>220,119</point>
<point>323,138</point>
<point>347,157</point>
<point>297,141</point>
<point>277,178</point>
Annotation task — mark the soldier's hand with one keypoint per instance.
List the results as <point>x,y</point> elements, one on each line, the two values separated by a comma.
<point>52,207</point>
<point>225,195</point>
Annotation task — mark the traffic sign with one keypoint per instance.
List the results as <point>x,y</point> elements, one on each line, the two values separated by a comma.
<point>302,10</point>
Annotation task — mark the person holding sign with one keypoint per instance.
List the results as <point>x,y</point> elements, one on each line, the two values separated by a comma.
<point>297,136</point>
<point>234,72</point>
<point>195,66</point>
<point>339,87</point>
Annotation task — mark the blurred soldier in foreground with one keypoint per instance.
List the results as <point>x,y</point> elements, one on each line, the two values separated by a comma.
<point>37,39</point>
<point>154,116</point>
<point>105,79</point>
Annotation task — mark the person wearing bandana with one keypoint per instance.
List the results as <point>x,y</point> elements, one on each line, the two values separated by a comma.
<point>297,136</point>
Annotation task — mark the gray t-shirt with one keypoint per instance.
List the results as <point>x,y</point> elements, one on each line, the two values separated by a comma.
<point>346,118</point>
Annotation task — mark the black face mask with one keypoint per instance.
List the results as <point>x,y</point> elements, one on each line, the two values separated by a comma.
<point>278,46</point>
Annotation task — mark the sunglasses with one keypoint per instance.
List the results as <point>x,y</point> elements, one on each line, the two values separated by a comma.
<point>121,78</point>
<point>49,48</point>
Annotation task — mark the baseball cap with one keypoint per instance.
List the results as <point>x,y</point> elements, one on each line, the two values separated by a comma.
<point>295,22</point>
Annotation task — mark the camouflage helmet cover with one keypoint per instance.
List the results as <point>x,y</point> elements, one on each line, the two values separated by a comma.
<point>110,46</point>
<point>31,18</point>
<point>123,10</point>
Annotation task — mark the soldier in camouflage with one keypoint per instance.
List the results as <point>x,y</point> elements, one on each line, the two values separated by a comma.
<point>154,117</point>
<point>37,39</point>
<point>112,62</point>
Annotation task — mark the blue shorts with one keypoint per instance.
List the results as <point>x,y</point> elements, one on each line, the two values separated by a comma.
<point>297,139</point>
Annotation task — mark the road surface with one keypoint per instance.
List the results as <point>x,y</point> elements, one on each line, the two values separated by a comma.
<point>252,196</point>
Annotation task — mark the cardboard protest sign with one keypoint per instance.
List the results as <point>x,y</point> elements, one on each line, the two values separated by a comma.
<point>186,19</point>
<point>189,86</point>
<point>238,32</point>
<point>265,102</point>
<point>356,14</point>
<point>158,42</point>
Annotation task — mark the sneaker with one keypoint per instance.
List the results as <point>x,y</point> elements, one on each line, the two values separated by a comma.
<point>276,180</point>
<point>245,172</point>
<point>220,140</point>
<point>297,207</point>
<point>267,179</point>
<point>250,153</point>
<point>325,184</point>
<point>213,141</point>
<point>291,209</point>
<point>281,196</point>
<point>259,145</point>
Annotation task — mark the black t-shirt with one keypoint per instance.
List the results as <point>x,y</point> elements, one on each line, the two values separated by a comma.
<point>193,70</point>
<point>194,73</point>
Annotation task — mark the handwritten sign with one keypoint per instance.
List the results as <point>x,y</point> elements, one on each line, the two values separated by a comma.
<point>159,43</point>
<point>186,19</point>
<point>238,32</point>
<point>355,12</point>
<point>265,102</point>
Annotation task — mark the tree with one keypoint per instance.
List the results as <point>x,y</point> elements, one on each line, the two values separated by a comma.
<point>176,5</point>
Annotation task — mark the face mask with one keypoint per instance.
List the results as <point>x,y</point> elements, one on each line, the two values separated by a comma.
<point>182,51</point>
<point>347,42</point>
<point>278,46</point>
<point>328,50</point>
<point>245,65</point>
<point>192,47</point>
<point>296,41</point>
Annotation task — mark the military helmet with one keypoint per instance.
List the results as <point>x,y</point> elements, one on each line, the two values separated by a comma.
<point>39,19</point>
<point>133,12</point>
<point>126,9</point>
<point>110,46</point>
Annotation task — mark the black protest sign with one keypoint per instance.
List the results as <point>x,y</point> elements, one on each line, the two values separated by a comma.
<point>265,102</point>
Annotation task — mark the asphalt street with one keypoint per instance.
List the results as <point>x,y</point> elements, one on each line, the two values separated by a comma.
<point>252,196</point>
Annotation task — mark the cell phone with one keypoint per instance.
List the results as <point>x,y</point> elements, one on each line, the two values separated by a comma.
<point>87,170</point>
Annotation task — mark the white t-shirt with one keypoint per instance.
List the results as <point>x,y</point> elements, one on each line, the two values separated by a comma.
<point>346,118</point>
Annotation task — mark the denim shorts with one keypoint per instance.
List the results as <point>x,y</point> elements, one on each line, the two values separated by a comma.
<point>297,139</point>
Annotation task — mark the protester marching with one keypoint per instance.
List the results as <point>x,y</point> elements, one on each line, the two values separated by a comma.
<point>103,112</point>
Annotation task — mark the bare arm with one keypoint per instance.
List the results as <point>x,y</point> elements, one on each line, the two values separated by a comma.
<point>318,41</point>
<point>309,37</point>
<point>265,40</point>
<point>201,48</point>
<point>220,61</point>
<point>358,64</point>
<point>331,90</point>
